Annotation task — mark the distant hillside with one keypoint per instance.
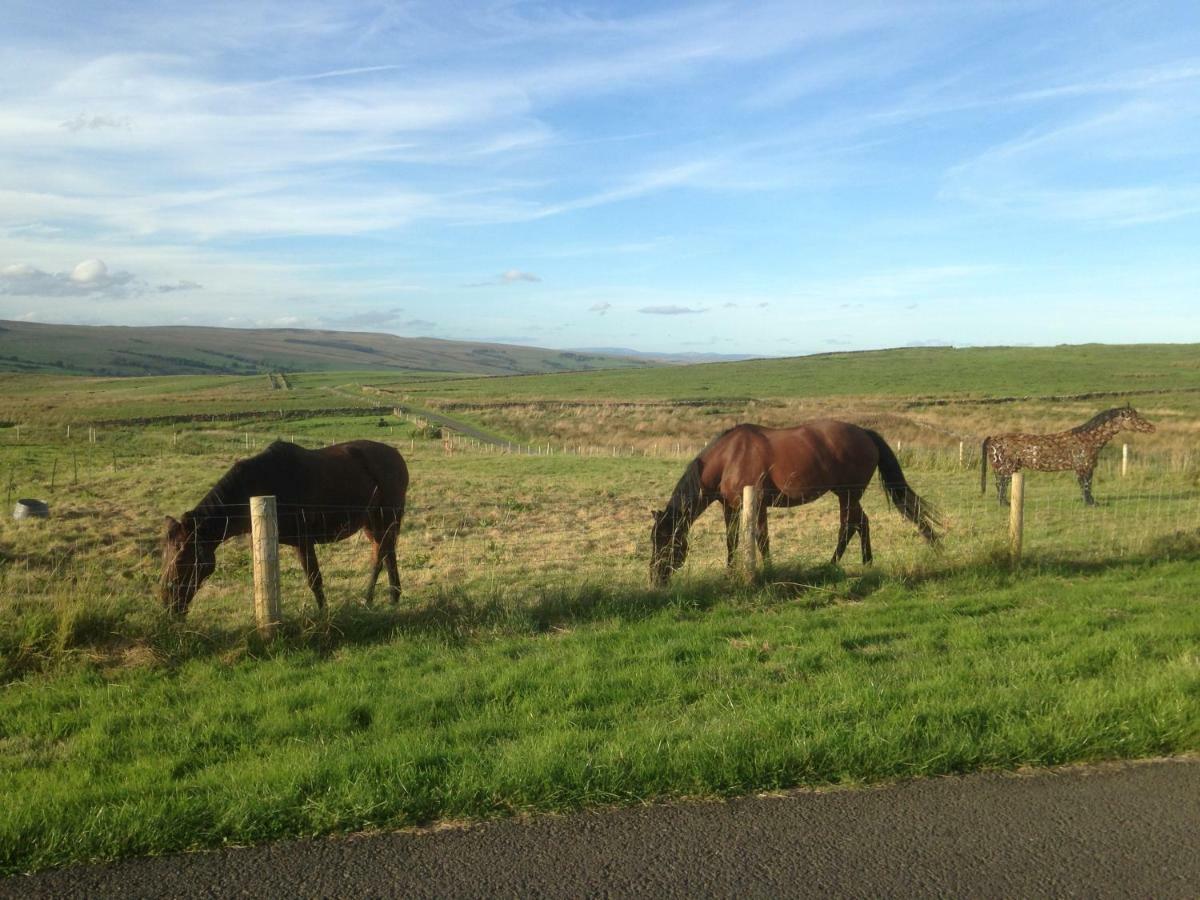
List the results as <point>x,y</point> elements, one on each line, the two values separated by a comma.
<point>998,373</point>
<point>176,350</point>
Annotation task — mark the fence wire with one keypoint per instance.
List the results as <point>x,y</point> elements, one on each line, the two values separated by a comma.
<point>486,526</point>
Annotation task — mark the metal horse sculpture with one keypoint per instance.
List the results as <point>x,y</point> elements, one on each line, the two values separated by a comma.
<point>1075,449</point>
<point>792,466</point>
<point>321,495</point>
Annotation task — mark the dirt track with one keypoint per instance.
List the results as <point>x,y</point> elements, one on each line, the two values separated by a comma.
<point>1112,831</point>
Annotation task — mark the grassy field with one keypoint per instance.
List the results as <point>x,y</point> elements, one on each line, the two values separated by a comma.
<point>529,665</point>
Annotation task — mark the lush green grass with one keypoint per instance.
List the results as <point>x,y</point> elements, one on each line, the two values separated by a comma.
<point>607,696</point>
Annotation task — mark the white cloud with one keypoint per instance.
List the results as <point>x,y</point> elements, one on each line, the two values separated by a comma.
<point>90,271</point>
<point>89,278</point>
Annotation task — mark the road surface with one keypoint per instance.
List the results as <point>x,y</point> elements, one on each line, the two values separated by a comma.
<point>1120,830</point>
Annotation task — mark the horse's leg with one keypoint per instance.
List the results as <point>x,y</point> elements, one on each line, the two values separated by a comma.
<point>389,557</point>
<point>1002,482</point>
<point>375,533</point>
<point>312,572</point>
<point>376,567</point>
<point>1085,485</point>
<point>731,532</point>
<point>764,539</point>
<point>393,573</point>
<point>859,523</point>
<point>383,537</point>
<point>844,526</point>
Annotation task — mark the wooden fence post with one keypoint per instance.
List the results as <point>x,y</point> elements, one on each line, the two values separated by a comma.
<point>748,531</point>
<point>264,530</point>
<point>1124,460</point>
<point>960,454</point>
<point>1016,515</point>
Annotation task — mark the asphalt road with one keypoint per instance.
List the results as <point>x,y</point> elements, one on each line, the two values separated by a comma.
<point>1129,830</point>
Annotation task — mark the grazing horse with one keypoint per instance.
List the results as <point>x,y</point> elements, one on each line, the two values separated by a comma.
<point>791,466</point>
<point>1075,449</point>
<point>321,496</point>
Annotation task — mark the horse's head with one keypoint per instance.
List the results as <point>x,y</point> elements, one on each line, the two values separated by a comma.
<point>1131,419</point>
<point>668,543</point>
<point>187,561</point>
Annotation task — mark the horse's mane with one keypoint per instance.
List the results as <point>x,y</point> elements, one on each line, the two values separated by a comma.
<point>687,494</point>
<point>232,488</point>
<point>1097,420</point>
<point>687,491</point>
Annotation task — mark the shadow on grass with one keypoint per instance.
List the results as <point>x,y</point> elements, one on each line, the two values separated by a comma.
<point>820,586</point>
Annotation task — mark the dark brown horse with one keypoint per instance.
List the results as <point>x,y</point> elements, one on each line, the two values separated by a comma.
<point>791,466</point>
<point>321,496</point>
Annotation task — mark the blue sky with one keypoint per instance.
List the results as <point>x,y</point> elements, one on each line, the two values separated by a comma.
<point>760,178</point>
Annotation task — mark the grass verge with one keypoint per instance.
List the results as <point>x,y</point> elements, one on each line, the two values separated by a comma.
<point>597,695</point>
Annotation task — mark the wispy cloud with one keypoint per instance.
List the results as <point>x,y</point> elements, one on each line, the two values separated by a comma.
<point>182,284</point>
<point>369,318</point>
<point>1132,159</point>
<point>514,275</point>
<point>672,310</point>
<point>82,122</point>
<point>510,276</point>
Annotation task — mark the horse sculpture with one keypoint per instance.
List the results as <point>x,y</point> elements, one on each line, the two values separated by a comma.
<point>321,495</point>
<point>791,466</point>
<point>1075,449</point>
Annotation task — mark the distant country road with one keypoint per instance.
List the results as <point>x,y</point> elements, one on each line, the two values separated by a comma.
<point>1120,830</point>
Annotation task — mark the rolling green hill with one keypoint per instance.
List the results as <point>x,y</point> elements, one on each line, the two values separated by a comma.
<point>912,372</point>
<point>176,350</point>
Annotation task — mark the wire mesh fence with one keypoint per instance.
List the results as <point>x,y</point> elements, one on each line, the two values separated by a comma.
<point>485,522</point>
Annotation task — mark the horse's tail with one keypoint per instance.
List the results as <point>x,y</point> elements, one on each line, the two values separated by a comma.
<point>921,513</point>
<point>983,464</point>
<point>387,469</point>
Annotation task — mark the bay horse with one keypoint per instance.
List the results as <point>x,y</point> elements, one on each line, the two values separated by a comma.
<point>321,496</point>
<point>791,466</point>
<point>1076,448</point>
